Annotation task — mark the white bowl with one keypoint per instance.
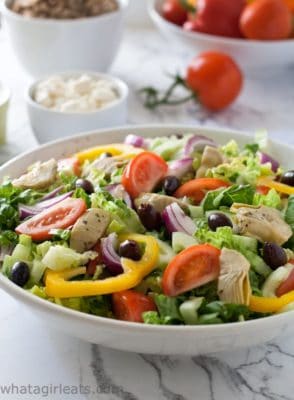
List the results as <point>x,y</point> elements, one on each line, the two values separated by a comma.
<point>44,46</point>
<point>252,55</point>
<point>49,124</point>
<point>185,340</point>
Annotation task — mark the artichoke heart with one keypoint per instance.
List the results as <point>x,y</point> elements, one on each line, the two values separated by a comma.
<point>262,223</point>
<point>233,283</point>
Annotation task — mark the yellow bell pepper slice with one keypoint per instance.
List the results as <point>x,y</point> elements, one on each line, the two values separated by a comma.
<point>280,187</point>
<point>57,284</point>
<point>270,304</point>
<point>115,149</point>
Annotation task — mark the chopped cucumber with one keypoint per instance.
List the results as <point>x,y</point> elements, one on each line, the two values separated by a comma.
<point>246,242</point>
<point>181,241</point>
<point>37,271</point>
<point>25,240</point>
<point>166,253</point>
<point>22,253</point>
<point>196,211</point>
<point>189,309</point>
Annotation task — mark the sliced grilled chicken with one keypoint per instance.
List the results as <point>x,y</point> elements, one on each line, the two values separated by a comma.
<point>233,283</point>
<point>41,176</point>
<point>107,165</point>
<point>211,157</point>
<point>88,229</point>
<point>158,201</point>
<point>263,223</point>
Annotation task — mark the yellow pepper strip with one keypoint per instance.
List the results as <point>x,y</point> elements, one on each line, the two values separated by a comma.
<point>270,304</point>
<point>280,187</point>
<point>57,284</point>
<point>115,149</point>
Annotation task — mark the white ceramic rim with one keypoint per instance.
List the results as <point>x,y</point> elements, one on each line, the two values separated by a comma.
<point>5,95</point>
<point>20,294</point>
<point>123,5</point>
<point>120,85</point>
<point>213,39</point>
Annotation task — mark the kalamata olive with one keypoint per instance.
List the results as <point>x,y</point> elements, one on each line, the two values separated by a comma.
<point>274,255</point>
<point>216,220</point>
<point>86,185</point>
<point>106,154</point>
<point>20,273</point>
<point>130,249</point>
<point>170,184</point>
<point>149,217</point>
<point>288,178</point>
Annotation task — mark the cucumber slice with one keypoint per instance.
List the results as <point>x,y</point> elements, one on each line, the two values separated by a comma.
<point>22,253</point>
<point>189,309</point>
<point>181,241</point>
<point>166,254</point>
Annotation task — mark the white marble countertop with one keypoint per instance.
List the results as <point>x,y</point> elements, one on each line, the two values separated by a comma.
<point>32,354</point>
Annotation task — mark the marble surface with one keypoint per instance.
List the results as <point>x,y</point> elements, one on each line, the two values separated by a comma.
<point>38,362</point>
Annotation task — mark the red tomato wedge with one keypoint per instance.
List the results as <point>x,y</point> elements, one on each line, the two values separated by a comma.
<point>262,189</point>
<point>193,267</point>
<point>129,305</point>
<point>71,165</point>
<point>143,173</point>
<point>60,216</point>
<point>197,188</point>
<point>287,285</point>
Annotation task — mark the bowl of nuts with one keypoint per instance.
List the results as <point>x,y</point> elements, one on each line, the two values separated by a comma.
<point>67,103</point>
<point>50,35</point>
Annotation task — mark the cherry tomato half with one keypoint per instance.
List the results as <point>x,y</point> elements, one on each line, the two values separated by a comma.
<point>215,78</point>
<point>60,216</point>
<point>266,20</point>
<point>143,173</point>
<point>193,267</point>
<point>197,188</point>
<point>129,305</point>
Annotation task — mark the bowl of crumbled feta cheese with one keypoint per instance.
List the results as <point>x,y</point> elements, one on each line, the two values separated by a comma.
<point>67,103</point>
<point>64,35</point>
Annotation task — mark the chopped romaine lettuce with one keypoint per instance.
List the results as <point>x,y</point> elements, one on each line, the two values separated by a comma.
<point>226,197</point>
<point>271,199</point>
<point>126,219</point>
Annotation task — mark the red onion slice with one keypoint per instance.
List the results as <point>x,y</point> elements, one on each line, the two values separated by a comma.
<point>177,221</point>
<point>118,191</point>
<point>197,143</point>
<point>29,211</point>
<point>53,193</point>
<point>179,168</point>
<point>136,141</point>
<point>109,256</point>
<point>266,158</point>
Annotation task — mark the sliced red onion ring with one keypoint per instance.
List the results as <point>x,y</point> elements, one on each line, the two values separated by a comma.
<point>29,211</point>
<point>197,143</point>
<point>109,256</point>
<point>53,193</point>
<point>118,191</point>
<point>136,141</point>
<point>265,158</point>
<point>177,221</point>
<point>179,168</point>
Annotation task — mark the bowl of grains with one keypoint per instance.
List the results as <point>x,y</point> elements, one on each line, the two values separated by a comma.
<point>67,103</point>
<point>63,35</point>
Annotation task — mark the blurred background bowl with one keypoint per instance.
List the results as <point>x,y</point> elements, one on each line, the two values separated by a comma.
<point>44,46</point>
<point>49,124</point>
<point>252,55</point>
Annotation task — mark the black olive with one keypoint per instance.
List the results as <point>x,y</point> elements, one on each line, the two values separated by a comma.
<point>107,154</point>
<point>170,184</point>
<point>86,185</point>
<point>149,217</point>
<point>130,249</point>
<point>288,178</point>
<point>217,220</point>
<point>20,273</point>
<point>274,255</point>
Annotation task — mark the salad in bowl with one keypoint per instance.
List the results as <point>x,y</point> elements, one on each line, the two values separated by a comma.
<point>167,230</point>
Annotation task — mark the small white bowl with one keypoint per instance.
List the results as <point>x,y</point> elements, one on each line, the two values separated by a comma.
<point>44,46</point>
<point>252,55</point>
<point>49,124</point>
